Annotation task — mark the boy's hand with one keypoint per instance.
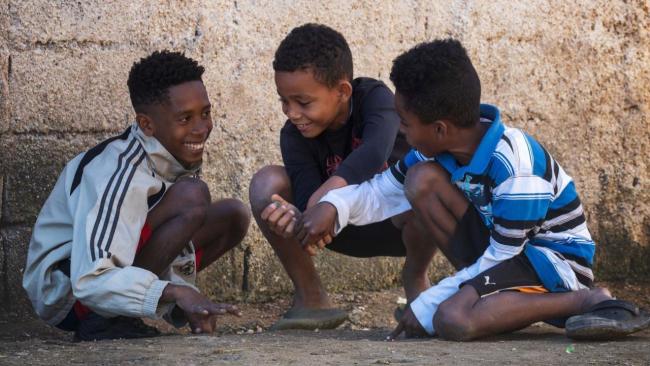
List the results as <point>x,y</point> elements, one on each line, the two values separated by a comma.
<point>281,216</point>
<point>410,325</point>
<point>317,227</point>
<point>199,310</point>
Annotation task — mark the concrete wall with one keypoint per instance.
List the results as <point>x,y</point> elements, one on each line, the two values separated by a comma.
<point>574,74</point>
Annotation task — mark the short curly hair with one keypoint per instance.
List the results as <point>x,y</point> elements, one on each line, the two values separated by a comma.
<point>437,81</point>
<point>316,47</point>
<point>151,77</point>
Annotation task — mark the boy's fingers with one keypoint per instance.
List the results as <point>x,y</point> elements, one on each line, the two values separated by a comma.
<point>276,214</point>
<point>279,199</point>
<point>268,210</point>
<point>285,220</point>
<point>396,332</point>
<point>321,244</point>
<point>232,309</point>
<point>288,231</point>
<point>200,310</point>
<point>311,250</point>
<point>327,239</point>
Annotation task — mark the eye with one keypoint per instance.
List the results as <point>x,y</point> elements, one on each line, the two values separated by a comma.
<point>184,120</point>
<point>206,114</point>
<point>304,103</point>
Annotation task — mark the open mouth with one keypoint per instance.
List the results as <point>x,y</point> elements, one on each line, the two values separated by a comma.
<point>194,146</point>
<point>302,126</point>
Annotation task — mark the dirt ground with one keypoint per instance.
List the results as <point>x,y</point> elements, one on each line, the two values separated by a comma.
<point>245,341</point>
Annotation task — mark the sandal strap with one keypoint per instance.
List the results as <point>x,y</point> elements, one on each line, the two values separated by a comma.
<point>615,304</point>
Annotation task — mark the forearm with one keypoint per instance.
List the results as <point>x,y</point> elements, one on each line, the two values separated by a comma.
<point>333,182</point>
<point>371,201</point>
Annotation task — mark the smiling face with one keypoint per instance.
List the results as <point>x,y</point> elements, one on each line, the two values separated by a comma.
<point>182,124</point>
<point>311,106</point>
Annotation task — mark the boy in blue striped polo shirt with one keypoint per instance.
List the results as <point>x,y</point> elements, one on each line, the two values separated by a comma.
<point>494,201</point>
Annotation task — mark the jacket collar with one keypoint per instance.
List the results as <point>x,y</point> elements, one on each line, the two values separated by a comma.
<point>161,161</point>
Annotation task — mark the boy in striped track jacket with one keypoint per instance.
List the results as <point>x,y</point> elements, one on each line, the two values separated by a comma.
<point>129,223</point>
<point>494,201</point>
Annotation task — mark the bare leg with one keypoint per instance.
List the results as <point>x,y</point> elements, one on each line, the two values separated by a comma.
<point>185,213</point>
<point>466,316</point>
<point>174,221</point>
<point>309,291</point>
<point>419,252</point>
<point>438,205</point>
<point>225,226</point>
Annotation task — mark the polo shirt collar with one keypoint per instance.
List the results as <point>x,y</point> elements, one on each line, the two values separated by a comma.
<point>483,153</point>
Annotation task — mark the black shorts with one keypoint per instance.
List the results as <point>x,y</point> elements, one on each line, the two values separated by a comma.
<point>373,240</point>
<point>469,242</point>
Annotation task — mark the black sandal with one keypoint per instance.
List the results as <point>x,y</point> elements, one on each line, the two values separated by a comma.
<point>608,320</point>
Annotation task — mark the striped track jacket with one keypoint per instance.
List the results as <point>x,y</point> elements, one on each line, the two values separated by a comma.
<point>94,217</point>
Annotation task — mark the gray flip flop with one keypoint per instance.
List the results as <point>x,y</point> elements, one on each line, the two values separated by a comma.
<point>608,320</point>
<point>311,319</point>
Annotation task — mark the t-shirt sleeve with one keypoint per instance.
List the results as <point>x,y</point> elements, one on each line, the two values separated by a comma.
<point>301,165</point>
<point>380,124</point>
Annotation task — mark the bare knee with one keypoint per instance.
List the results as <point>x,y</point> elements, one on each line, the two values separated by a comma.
<point>191,192</point>
<point>423,179</point>
<point>239,217</point>
<point>193,198</point>
<point>269,180</point>
<point>451,322</point>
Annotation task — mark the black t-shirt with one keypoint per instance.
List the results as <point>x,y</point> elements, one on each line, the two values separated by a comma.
<point>363,147</point>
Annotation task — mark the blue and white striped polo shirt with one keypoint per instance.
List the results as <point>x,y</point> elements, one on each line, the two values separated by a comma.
<point>525,198</point>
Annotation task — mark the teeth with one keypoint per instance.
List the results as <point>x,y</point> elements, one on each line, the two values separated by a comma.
<point>194,146</point>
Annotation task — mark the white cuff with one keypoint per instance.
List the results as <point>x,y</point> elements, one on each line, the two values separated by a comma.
<point>342,210</point>
<point>424,313</point>
<point>152,297</point>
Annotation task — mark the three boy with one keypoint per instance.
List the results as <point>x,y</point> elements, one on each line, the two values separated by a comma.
<point>129,223</point>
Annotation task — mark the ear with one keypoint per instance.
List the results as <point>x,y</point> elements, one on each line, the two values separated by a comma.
<point>145,123</point>
<point>344,89</point>
<point>441,128</point>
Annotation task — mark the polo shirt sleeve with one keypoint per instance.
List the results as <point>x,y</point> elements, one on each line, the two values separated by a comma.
<point>380,125</point>
<point>374,200</point>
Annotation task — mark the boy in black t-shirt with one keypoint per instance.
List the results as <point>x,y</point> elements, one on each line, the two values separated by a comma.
<point>339,131</point>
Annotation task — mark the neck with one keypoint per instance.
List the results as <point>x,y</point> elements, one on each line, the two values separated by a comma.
<point>468,140</point>
<point>341,117</point>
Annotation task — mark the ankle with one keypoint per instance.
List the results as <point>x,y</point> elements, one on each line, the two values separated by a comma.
<point>313,300</point>
<point>594,296</point>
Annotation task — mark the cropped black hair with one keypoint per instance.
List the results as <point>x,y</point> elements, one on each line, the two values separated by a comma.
<point>316,47</point>
<point>151,77</point>
<point>437,81</point>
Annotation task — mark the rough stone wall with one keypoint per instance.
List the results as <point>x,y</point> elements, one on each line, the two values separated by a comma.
<point>575,75</point>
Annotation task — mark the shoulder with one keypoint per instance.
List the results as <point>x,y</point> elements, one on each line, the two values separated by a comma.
<point>368,89</point>
<point>513,152</point>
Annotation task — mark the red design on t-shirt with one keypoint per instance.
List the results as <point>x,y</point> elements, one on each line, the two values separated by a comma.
<point>356,142</point>
<point>332,163</point>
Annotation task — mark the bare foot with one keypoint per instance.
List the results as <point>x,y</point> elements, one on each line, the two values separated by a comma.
<point>318,300</point>
<point>594,296</point>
